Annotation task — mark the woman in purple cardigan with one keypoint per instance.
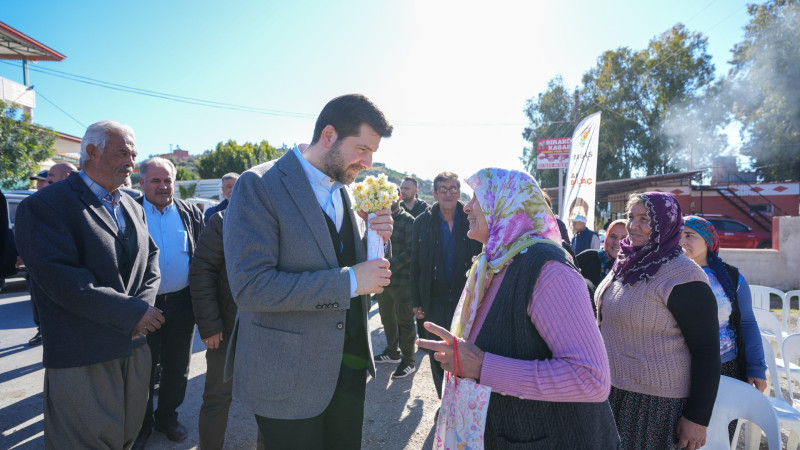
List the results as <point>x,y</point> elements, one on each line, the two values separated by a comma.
<point>525,326</point>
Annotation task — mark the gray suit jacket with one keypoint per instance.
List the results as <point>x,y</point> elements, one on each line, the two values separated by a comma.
<point>291,293</point>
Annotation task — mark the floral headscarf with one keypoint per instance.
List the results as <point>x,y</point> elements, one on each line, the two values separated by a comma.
<point>709,234</point>
<point>666,222</point>
<point>518,217</point>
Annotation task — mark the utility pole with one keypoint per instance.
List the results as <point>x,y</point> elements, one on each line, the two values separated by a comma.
<point>575,104</point>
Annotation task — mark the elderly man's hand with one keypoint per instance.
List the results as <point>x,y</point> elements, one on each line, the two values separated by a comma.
<point>382,223</point>
<point>469,354</point>
<point>150,321</point>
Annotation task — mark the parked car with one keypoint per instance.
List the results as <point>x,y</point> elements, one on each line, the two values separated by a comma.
<point>13,200</point>
<point>202,203</point>
<point>735,234</point>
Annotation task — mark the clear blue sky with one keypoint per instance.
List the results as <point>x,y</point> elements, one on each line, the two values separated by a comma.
<point>452,76</point>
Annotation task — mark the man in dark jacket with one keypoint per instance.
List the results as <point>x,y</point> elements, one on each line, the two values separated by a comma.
<point>96,272</point>
<point>228,180</point>
<point>441,255</point>
<point>583,238</point>
<point>410,201</point>
<point>175,226</point>
<point>215,314</point>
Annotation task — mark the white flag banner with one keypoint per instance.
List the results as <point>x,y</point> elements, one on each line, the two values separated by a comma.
<point>579,199</point>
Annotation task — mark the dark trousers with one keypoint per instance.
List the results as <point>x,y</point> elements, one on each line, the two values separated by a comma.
<point>339,426</point>
<point>398,323</point>
<point>172,346</point>
<point>440,313</point>
<point>33,303</point>
<point>213,420</point>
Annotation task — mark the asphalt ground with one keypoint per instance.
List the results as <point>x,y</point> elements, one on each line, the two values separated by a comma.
<point>399,414</point>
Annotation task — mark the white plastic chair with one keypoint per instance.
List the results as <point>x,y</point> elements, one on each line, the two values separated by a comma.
<point>761,295</point>
<point>770,327</point>
<point>790,349</point>
<point>738,400</point>
<point>788,417</point>
<point>788,302</point>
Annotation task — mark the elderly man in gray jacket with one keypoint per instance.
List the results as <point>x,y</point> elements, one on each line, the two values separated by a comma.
<point>295,260</point>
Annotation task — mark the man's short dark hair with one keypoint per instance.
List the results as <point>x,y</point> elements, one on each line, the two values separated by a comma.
<point>413,180</point>
<point>346,114</point>
<point>444,176</point>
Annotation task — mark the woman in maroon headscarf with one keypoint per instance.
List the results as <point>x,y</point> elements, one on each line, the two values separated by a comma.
<point>658,318</point>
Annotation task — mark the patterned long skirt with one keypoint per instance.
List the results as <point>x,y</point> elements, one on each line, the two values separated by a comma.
<point>645,421</point>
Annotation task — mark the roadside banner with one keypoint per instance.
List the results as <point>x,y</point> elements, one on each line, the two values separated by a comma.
<point>553,153</point>
<point>579,199</point>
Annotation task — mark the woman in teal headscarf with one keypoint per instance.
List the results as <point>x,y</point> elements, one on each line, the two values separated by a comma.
<point>740,348</point>
<point>524,324</point>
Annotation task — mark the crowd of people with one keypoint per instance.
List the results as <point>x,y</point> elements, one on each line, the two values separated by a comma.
<point>582,346</point>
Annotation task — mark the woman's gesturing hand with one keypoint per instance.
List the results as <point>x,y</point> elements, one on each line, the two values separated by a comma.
<point>470,355</point>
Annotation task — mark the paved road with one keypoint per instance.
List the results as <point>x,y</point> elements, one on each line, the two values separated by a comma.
<point>399,414</point>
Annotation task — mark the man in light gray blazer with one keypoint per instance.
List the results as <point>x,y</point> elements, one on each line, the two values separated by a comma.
<point>296,265</point>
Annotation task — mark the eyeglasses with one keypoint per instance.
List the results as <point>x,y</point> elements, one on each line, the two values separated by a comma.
<point>450,190</point>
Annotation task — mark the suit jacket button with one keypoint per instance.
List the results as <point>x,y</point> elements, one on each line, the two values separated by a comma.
<point>335,305</point>
<point>319,306</point>
<point>340,325</point>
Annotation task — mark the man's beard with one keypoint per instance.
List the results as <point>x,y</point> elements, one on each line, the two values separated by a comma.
<point>335,167</point>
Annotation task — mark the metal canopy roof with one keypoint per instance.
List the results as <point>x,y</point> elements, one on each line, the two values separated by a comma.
<point>16,45</point>
<point>605,188</point>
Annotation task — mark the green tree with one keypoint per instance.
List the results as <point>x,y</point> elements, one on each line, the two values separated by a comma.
<point>184,174</point>
<point>765,89</point>
<point>232,157</point>
<point>642,94</point>
<point>549,116</point>
<point>23,146</point>
<point>187,190</point>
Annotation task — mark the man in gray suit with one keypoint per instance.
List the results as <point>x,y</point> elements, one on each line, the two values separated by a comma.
<point>295,260</point>
<point>96,271</point>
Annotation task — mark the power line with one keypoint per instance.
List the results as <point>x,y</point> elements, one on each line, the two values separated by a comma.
<point>38,93</point>
<point>231,106</point>
<point>166,96</point>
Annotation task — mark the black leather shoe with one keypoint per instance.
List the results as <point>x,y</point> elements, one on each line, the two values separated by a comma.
<point>175,432</point>
<point>36,340</point>
<point>141,439</point>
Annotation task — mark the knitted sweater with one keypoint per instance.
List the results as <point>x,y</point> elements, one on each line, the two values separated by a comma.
<point>646,348</point>
<point>578,370</point>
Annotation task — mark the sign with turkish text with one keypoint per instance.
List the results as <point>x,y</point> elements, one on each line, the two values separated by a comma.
<point>553,153</point>
<point>579,200</point>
